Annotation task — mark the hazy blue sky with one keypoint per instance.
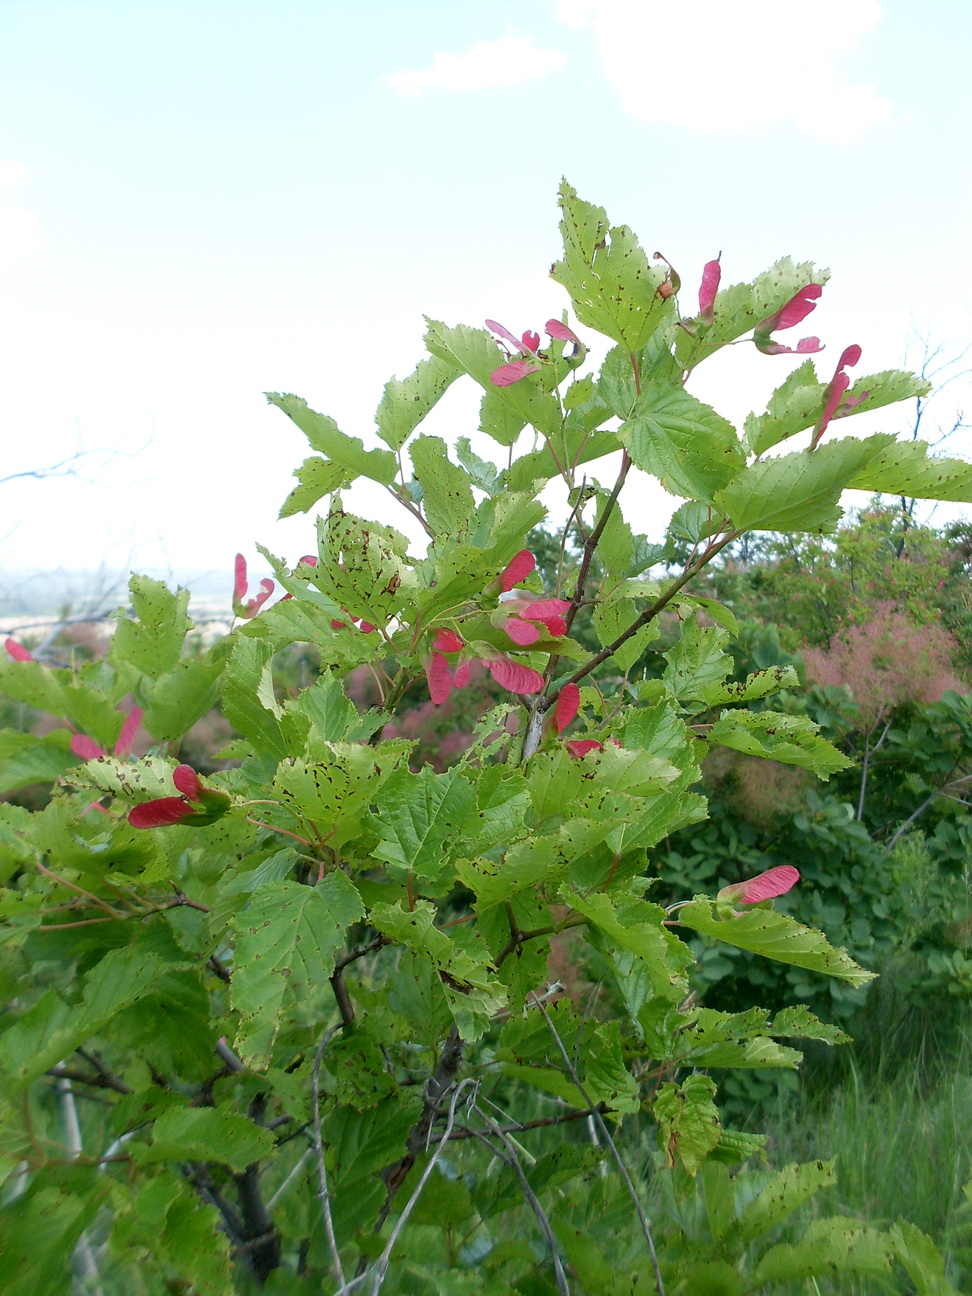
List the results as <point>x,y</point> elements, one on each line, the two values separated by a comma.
<point>202,201</point>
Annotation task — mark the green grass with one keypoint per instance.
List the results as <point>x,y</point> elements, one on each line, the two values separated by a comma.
<point>903,1147</point>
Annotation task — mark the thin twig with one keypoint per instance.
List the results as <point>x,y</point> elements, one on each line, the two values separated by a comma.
<point>379,1270</point>
<point>324,1194</point>
<point>513,1161</point>
<point>606,1135</point>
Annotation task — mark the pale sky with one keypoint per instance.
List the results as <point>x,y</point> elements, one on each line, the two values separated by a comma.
<point>203,201</point>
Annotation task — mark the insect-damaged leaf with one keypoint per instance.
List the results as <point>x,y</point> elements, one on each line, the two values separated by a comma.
<point>286,940</point>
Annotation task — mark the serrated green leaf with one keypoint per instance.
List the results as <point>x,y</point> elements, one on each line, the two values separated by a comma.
<point>52,1030</point>
<point>774,936</point>
<point>527,865</point>
<point>482,472</point>
<point>41,1230</point>
<point>695,521</point>
<point>741,306</point>
<point>697,661</point>
<point>906,468</point>
<point>800,491</point>
<point>796,404</point>
<point>475,352</point>
<point>287,937</point>
<point>782,1193</point>
<point>922,1259</point>
<point>335,790</point>
<point>406,401</point>
<point>152,643</point>
<point>447,500</point>
<point>166,1223</point>
<point>612,617</point>
<point>418,817</point>
<point>633,924</point>
<point>799,1022</point>
<point>829,1246</point>
<point>789,739</point>
<point>693,451</point>
<point>145,779</point>
<point>612,284</point>
<point>363,567</point>
<point>318,477</point>
<point>688,1121</point>
<point>332,714</point>
<point>26,758</point>
<point>34,684</point>
<point>474,993</point>
<point>760,684</point>
<point>184,695</point>
<point>799,401</point>
<point>326,437</point>
<point>205,1134</point>
<point>248,700</point>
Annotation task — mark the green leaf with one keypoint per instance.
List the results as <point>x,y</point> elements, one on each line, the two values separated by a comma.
<point>287,937</point>
<point>710,1277</point>
<point>406,401</point>
<point>363,567</point>
<point>801,491</point>
<point>184,695</point>
<point>906,468</point>
<point>922,1259</point>
<point>473,991</point>
<point>741,306</point>
<point>474,351</point>
<point>799,401</point>
<point>326,438</point>
<point>34,684</point>
<point>147,779</point>
<point>774,936</point>
<point>526,866</point>
<point>612,284</point>
<point>630,923</point>
<point>447,500</point>
<point>165,1224</point>
<point>688,1121</point>
<point>796,404</point>
<point>799,1022</point>
<point>336,789</point>
<point>206,1134</point>
<point>696,662</point>
<point>760,684</point>
<point>248,698</point>
<point>692,450</point>
<point>41,1230</point>
<point>52,1030</point>
<point>829,1246</point>
<point>612,617</point>
<point>333,716</point>
<point>419,817</point>
<point>502,801</point>
<point>782,1193</point>
<point>153,642</point>
<point>789,739</point>
<point>482,472</point>
<point>318,477</point>
<point>25,758</point>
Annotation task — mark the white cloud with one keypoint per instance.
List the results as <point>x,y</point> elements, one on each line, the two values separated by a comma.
<point>745,67</point>
<point>13,173</point>
<point>491,65</point>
